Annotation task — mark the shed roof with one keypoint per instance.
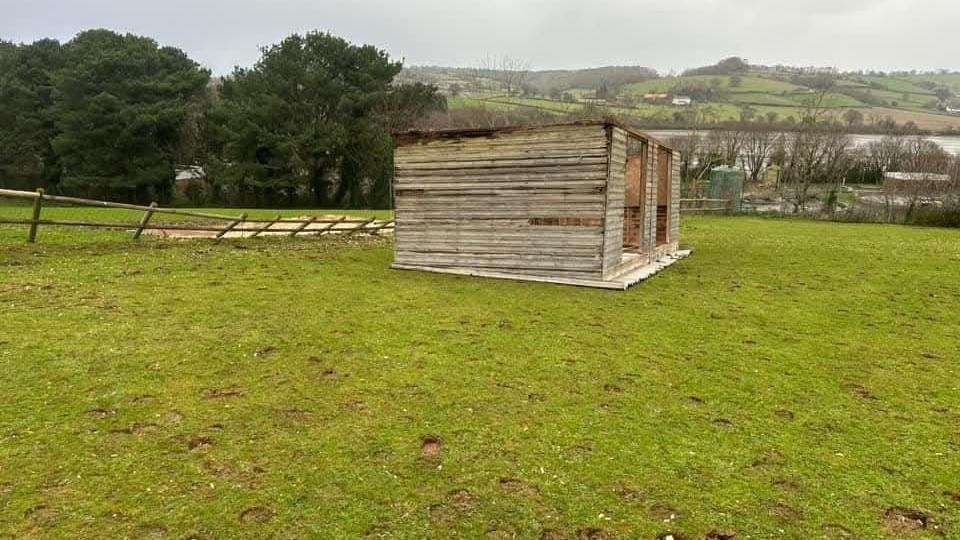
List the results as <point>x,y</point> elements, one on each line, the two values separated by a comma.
<point>418,136</point>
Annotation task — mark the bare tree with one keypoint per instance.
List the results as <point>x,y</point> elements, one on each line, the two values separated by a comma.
<point>509,72</point>
<point>818,154</point>
<point>758,145</point>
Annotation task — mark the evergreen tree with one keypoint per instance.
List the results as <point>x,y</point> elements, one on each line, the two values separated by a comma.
<point>123,109</point>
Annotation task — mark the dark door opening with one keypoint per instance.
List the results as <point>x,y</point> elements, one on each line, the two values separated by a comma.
<point>634,200</point>
<point>664,194</point>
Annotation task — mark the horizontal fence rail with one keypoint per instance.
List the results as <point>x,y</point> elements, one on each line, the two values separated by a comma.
<point>241,225</point>
<point>705,205</point>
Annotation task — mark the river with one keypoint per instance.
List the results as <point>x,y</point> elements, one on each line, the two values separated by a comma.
<point>950,143</point>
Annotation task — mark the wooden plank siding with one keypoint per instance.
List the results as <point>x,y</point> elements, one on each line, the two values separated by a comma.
<point>616,192</point>
<point>529,202</point>
<point>542,203</point>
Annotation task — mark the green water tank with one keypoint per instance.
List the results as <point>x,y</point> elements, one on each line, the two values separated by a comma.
<point>727,183</point>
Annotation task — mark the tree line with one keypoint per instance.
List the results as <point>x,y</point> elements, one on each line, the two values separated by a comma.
<point>109,115</point>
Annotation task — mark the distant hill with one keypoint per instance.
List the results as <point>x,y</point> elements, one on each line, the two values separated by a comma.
<point>731,90</point>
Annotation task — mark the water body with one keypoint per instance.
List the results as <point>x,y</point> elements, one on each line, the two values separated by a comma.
<point>950,143</point>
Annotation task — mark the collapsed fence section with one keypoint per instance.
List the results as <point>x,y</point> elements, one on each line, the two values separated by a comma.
<point>187,223</point>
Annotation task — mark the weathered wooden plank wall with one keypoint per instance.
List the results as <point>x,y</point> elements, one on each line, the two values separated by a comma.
<point>529,202</point>
<point>613,231</point>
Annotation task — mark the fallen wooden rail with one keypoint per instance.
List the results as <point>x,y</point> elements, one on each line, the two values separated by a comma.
<point>233,224</point>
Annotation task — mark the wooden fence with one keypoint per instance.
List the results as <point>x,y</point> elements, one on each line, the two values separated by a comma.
<point>705,205</point>
<point>218,226</point>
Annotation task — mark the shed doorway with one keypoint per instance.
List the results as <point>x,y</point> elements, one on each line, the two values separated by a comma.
<point>664,195</point>
<point>635,198</point>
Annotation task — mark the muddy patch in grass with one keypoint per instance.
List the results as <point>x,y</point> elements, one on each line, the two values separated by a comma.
<point>901,521</point>
<point>554,534</point>
<point>265,352</point>
<point>41,514</point>
<point>784,513</point>
<point>663,512</point>
<point>952,495</point>
<point>770,460</point>
<point>222,393</point>
<point>593,533</point>
<point>256,515</point>
<point>632,494</point>
<point>519,487</point>
<point>832,531</point>
<point>458,504</point>
<point>721,535</point>
<point>199,443</point>
<point>144,399</point>
<point>784,414</point>
<point>722,423</point>
<point>101,414</point>
<point>431,449</point>
<point>151,532</point>
<point>860,391</point>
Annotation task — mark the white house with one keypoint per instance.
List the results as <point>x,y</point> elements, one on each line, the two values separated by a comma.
<point>682,101</point>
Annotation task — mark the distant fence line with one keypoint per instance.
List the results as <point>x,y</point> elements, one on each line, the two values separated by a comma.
<point>234,225</point>
<point>688,206</point>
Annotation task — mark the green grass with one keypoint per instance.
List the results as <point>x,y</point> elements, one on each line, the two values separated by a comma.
<point>789,380</point>
<point>747,84</point>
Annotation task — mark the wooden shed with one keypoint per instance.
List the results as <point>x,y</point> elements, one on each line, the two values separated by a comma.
<point>588,203</point>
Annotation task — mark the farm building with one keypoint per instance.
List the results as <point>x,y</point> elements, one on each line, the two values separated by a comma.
<point>915,183</point>
<point>587,203</point>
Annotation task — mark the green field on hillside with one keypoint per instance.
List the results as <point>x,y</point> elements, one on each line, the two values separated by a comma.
<point>790,380</point>
<point>728,96</point>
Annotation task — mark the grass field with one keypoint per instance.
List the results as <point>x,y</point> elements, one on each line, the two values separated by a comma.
<point>790,380</point>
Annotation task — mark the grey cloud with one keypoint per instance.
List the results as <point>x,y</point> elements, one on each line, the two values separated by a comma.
<point>877,34</point>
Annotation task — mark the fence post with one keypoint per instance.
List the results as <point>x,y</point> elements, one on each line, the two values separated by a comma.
<point>35,222</point>
<point>144,221</point>
<point>231,225</point>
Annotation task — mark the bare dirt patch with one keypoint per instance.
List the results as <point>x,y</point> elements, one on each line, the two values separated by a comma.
<point>265,352</point>
<point>663,512</point>
<point>768,461</point>
<point>722,423</point>
<point>784,414</point>
<point>553,534</point>
<point>519,487</point>
<point>632,494</point>
<point>199,443</point>
<point>785,513</point>
<point>256,515</point>
<point>431,448</point>
<point>5,489</point>
<point>907,521</point>
<point>861,392</point>
<point>151,532</point>
<point>593,533</point>
<point>952,495</point>
<point>616,389</point>
<point>222,393</point>
<point>101,414</point>
<point>459,503</point>
<point>41,514</point>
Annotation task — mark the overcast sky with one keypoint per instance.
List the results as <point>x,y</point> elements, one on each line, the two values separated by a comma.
<point>663,34</point>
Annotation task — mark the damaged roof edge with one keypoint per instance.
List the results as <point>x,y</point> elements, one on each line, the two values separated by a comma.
<point>404,138</point>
